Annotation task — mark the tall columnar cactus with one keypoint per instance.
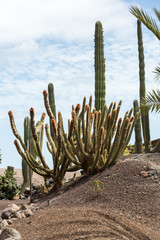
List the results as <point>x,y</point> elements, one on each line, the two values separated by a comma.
<point>28,141</point>
<point>144,117</point>
<point>138,135</point>
<point>25,167</point>
<point>100,86</point>
<point>53,107</point>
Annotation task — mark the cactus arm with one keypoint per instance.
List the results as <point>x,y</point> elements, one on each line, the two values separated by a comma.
<point>69,154</point>
<point>25,158</point>
<point>108,112</point>
<point>109,130</point>
<point>50,140</point>
<point>52,106</point>
<point>48,147</point>
<point>131,130</point>
<point>95,132</point>
<point>114,146</point>
<point>95,159</point>
<point>35,137</point>
<point>47,105</point>
<point>73,168</point>
<point>87,135</point>
<point>103,115</point>
<point>90,102</point>
<point>81,116</point>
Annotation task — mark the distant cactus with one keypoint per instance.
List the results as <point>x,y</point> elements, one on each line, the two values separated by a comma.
<point>100,86</point>
<point>144,117</point>
<point>138,135</point>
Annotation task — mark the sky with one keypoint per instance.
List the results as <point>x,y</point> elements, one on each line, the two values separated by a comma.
<point>52,41</point>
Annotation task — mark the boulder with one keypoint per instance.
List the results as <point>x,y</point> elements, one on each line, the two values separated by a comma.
<point>10,234</point>
<point>26,210</point>
<point>7,212</point>
<point>3,224</point>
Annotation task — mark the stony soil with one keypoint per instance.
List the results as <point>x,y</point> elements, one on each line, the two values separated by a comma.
<point>127,205</point>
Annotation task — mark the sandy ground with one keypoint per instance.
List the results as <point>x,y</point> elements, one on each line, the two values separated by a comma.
<point>128,208</point>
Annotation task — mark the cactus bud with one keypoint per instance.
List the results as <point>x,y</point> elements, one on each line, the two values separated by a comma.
<point>92,115</point>
<point>77,109</point>
<point>45,93</point>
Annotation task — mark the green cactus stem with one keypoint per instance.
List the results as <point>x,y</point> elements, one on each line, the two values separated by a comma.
<point>144,117</point>
<point>25,167</point>
<point>52,105</point>
<point>138,136</point>
<point>100,87</point>
<point>28,141</point>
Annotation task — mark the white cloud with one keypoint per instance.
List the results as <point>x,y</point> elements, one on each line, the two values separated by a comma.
<point>70,20</point>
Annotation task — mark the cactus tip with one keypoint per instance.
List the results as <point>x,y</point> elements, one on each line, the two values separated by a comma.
<point>45,93</point>
<point>10,113</point>
<point>78,106</point>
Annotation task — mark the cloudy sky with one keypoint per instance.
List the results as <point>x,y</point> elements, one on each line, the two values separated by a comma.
<point>53,41</point>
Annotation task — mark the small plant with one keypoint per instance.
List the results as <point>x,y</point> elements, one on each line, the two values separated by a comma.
<point>126,152</point>
<point>110,176</point>
<point>129,150</point>
<point>97,185</point>
<point>8,185</point>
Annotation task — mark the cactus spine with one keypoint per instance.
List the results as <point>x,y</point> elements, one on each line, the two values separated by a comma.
<point>100,87</point>
<point>144,117</point>
<point>138,136</point>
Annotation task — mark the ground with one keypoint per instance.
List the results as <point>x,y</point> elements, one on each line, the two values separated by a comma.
<point>121,202</point>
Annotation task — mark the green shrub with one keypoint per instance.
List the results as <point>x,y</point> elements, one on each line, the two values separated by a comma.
<point>97,185</point>
<point>8,185</point>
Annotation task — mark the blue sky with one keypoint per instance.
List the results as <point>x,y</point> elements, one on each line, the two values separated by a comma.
<point>53,41</point>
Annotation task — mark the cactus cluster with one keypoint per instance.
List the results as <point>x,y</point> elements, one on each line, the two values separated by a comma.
<point>94,141</point>
<point>98,138</point>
